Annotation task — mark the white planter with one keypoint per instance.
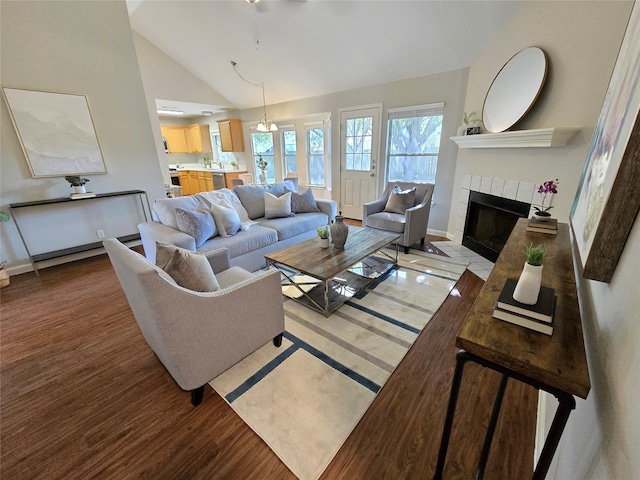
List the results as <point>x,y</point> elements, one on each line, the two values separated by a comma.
<point>324,242</point>
<point>81,189</point>
<point>528,286</point>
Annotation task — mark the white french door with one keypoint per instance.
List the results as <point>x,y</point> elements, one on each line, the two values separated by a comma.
<point>359,148</point>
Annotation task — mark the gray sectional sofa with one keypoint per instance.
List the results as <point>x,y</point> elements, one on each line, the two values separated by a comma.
<point>258,235</point>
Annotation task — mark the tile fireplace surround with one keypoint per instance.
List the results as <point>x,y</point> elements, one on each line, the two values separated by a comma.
<point>512,189</point>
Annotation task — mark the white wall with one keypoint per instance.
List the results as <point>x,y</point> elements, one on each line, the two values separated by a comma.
<point>581,40</point>
<point>77,47</point>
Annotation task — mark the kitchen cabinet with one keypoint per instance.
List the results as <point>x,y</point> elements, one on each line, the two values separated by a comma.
<point>231,136</point>
<point>187,138</point>
<point>196,181</point>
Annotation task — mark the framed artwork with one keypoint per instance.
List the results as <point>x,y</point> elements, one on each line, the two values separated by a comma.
<point>56,132</point>
<point>608,196</point>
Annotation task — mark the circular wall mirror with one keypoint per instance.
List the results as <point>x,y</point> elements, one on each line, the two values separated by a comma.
<point>514,90</point>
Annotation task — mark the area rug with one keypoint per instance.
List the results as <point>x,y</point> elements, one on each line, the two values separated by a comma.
<point>304,398</point>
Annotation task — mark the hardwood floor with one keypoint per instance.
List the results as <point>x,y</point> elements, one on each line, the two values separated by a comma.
<point>83,396</point>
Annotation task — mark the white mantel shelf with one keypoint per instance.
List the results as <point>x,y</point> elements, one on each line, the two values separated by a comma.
<point>541,137</point>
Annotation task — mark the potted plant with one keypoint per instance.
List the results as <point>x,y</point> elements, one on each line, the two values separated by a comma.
<point>262,166</point>
<point>323,234</point>
<point>469,121</point>
<point>77,182</point>
<point>4,275</point>
<point>550,187</point>
<point>528,286</point>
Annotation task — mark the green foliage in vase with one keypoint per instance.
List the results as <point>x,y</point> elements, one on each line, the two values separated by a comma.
<point>323,232</point>
<point>76,181</point>
<point>4,217</point>
<point>468,118</point>
<point>535,254</point>
<point>262,163</point>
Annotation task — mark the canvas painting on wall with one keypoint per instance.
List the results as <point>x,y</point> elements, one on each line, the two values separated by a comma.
<point>56,132</point>
<point>608,198</point>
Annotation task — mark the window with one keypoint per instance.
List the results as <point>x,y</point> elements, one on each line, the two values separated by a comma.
<point>289,152</point>
<point>263,145</point>
<point>358,143</point>
<point>316,155</point>
<point>413,143</point>
<point>218,154</point>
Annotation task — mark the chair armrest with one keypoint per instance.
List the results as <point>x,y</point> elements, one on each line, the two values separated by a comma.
<point>372,207</point>
<point>416,220</point>
<point>219,259</point>
<point>330,207</point>
<point>152,232</point>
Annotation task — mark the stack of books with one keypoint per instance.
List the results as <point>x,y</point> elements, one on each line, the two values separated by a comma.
<point>548,226</point>
<point>538,317</point>
<point>75,196</point>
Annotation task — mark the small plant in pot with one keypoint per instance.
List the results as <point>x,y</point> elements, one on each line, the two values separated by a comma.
<point>77,182</point>
<point>528,286</point>
<point>550,187</point>
<point>323,234</point>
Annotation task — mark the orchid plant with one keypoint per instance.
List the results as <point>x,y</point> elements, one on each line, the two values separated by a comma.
<point>550,187</point>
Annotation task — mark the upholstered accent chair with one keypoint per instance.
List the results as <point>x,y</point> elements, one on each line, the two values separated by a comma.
<point>412,224</point>
<point>247,178</point>
<point>198,335</point>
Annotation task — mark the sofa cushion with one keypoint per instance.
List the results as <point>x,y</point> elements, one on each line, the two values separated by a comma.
<point>277,207</point>
<point>252,196</point>
<point>393,222</point>
<point>233,276</point>
<point>165,208</point>
<point>244,242</point>
<point>291,226</point>
<point>230,197</point>
<point>198,223</point>
<point>188,269</point>
<point>227,220</point>
<point>399,200</point>
<point>303,203</point>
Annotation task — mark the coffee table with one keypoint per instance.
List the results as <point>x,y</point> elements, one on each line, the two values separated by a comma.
<point>325,278</point>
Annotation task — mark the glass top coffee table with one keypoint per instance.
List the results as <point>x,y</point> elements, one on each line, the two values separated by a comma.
<point>325,278</point>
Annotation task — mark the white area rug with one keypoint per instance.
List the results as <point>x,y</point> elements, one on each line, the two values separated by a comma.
<point>304,398</point>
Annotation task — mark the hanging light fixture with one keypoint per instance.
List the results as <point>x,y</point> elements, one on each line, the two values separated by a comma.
<point>263,124</point>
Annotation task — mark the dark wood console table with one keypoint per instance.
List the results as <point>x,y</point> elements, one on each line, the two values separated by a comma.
<point>34,259</point>
<point>556,364</point>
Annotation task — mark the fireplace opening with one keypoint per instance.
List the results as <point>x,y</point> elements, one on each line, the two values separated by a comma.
<point>489,223</point>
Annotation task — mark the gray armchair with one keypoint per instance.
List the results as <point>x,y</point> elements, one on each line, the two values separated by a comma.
<point>412,226</point>
<point>198,335</point>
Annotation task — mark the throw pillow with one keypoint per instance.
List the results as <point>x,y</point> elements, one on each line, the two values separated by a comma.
<point>197,223</point>
<point>226,218</point>
<point>190,270</point>
<point>277,207</point>
<point>303,203</point>
<point>400,200</point>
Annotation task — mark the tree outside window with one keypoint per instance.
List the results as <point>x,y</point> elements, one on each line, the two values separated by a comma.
<point>315,156</point>
<point>263,145</point>
<point>413,147</point>
<point>289,152</point>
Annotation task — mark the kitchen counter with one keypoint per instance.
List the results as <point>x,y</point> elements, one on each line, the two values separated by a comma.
<point>197,167</point>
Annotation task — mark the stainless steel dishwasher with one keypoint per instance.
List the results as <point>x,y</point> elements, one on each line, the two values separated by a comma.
<point>218,181</point>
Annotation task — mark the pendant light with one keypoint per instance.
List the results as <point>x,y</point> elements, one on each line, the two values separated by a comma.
<point>263,124</point>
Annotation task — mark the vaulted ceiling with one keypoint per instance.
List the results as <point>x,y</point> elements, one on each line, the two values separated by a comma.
<point>305,48</point>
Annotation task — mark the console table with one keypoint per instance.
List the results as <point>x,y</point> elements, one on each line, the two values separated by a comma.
<point>34,259</point>
<point>556,364</point>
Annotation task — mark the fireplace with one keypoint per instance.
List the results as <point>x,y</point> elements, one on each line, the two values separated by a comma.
<point>489,222</point>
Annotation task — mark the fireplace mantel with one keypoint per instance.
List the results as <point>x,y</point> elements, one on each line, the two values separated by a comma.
<point>540,137</point>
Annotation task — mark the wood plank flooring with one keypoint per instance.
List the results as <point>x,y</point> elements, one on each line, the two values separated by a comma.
<point>83,396</point>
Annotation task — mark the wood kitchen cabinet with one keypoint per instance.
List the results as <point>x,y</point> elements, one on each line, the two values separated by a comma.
<point>231,136</point>
<point>187,138</point>
<point>196,181</point>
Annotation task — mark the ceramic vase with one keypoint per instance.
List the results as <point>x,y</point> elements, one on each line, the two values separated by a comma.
<point>528,286</point>
<point>262,177</point>
<point>80,189</point>
<point>542,216</point>
<point>339,231</point>
<point>324,242</point>
<point>462,130</point>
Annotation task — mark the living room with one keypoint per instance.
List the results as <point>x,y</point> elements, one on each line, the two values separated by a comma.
<point>65,47</point>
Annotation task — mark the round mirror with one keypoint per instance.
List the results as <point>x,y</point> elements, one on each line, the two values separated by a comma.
<point>514,90</point>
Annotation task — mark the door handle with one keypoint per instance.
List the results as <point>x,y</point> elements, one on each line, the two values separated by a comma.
<point>372,174</point>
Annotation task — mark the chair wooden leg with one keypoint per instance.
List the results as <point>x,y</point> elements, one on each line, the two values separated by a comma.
<point>196,396</point>
<point>422,242</point>
<point>277,340</point>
